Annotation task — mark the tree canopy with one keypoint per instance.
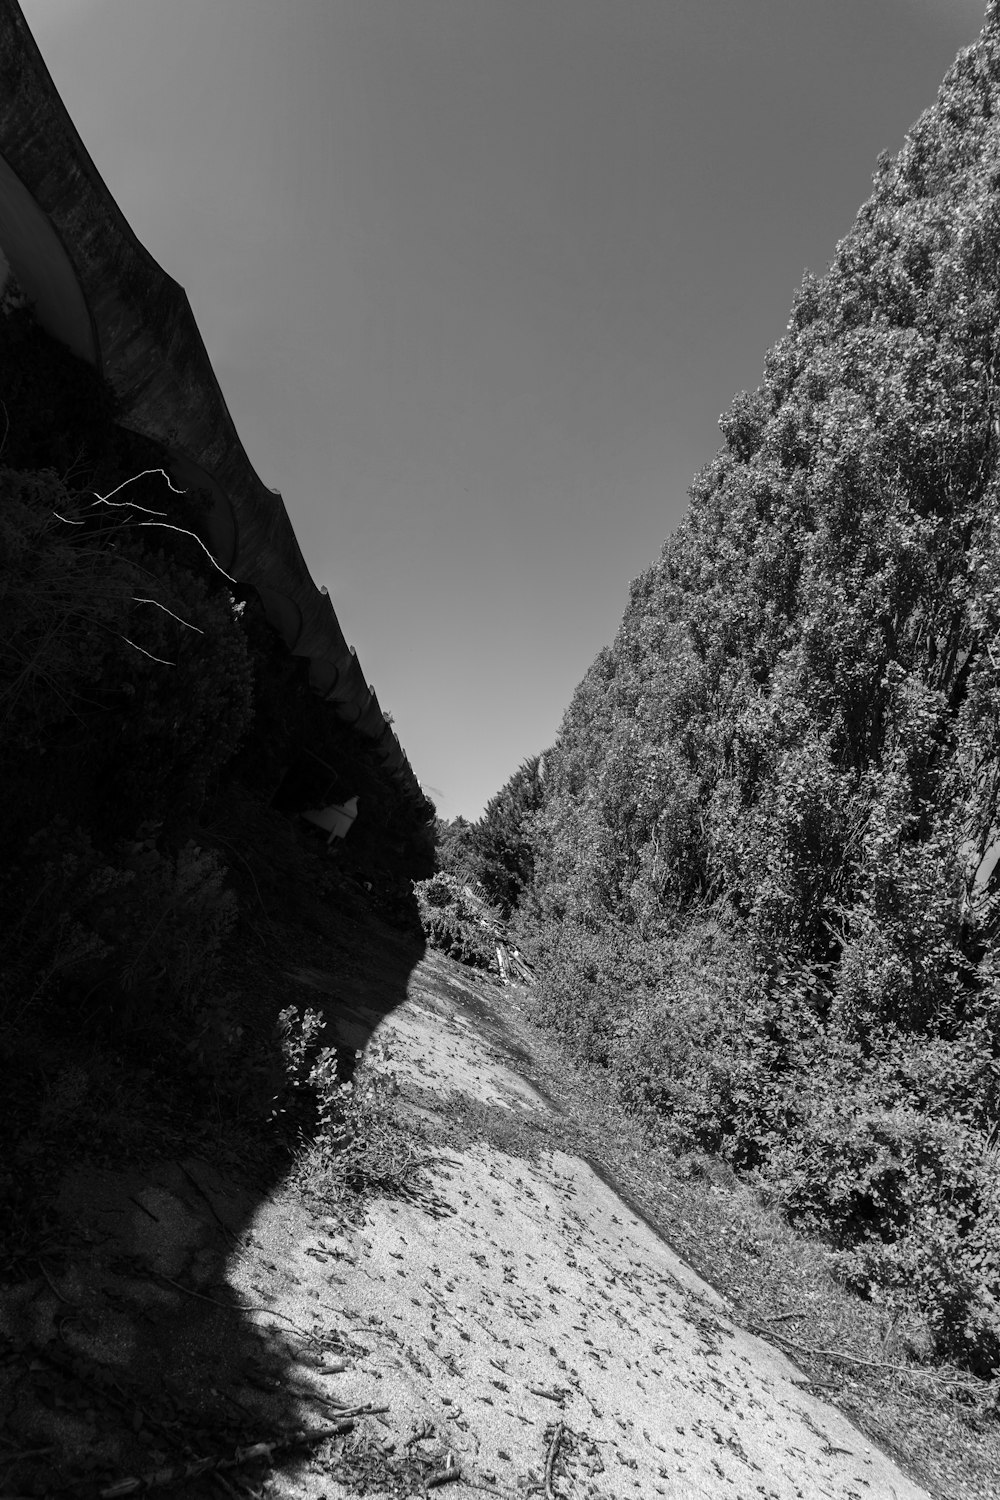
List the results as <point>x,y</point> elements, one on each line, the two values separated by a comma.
<point>760,872</point>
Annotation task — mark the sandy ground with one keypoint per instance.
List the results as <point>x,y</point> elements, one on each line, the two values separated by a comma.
<point>532,1333</point>
<point>517,1331</point>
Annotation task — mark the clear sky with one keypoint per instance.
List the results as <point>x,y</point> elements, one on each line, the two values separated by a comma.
<point>477,278</point>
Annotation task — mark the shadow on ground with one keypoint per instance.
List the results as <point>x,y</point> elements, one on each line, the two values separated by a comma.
<point>133,1180</point>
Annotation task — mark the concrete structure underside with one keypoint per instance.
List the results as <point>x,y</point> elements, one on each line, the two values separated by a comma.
<point>100,292</point>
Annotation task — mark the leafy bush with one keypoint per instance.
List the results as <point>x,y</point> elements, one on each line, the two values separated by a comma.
<point>355,1140</point>
<point>912,1201</point>
<point>454,924</point>
<point>497,852</point>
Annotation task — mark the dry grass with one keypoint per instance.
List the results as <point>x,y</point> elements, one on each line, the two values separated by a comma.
<point>463,1121</point>
<point>369,1147</point>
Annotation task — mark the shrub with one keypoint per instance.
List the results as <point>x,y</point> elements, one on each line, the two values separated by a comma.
<point>913,1204</point>
<point>453,923</point>
<point>796,729</point>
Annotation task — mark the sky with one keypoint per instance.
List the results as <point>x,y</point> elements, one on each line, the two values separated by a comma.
<point>477,278</point>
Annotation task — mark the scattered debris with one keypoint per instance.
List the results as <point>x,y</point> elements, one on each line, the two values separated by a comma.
<point>176,1473</point>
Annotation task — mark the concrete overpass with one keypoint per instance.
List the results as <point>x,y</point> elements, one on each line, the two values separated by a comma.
<point>100,292</point>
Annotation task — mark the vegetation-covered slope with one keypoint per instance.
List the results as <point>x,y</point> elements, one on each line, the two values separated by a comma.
<point>764,889</point>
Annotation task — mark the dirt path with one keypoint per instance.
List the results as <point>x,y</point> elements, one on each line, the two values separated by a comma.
<point>512,1328</point>
<point>533,1331</point>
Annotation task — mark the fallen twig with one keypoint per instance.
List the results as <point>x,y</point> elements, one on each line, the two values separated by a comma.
<point>52,1284</point>
<point>443,1476</point>
<point>237,1307</point>
<point>233,1401</point>
<point>147,1211</point>
<point>211,1206</point>
<point>853,1359</point>
<point>11,1460</point>
<point>365,1411</point>
<point>550,1458</point>
<point>225,1485</point>
<point>201,1297</point>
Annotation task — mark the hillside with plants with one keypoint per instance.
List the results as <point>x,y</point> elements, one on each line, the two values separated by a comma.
<point>757,871</point>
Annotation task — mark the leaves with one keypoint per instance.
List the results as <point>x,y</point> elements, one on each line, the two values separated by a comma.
<point>763,884</point>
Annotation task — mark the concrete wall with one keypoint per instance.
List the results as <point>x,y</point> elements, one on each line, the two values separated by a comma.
<point>97,289</point>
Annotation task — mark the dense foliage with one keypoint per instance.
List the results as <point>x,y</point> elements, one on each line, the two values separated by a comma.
<point>498,850</point>
<point>455,922</point>
<point>764,887</point>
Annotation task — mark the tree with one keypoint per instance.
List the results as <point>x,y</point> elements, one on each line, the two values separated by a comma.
<point>454,852</point>
<point>795,736</point>
<point>502,839</point>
